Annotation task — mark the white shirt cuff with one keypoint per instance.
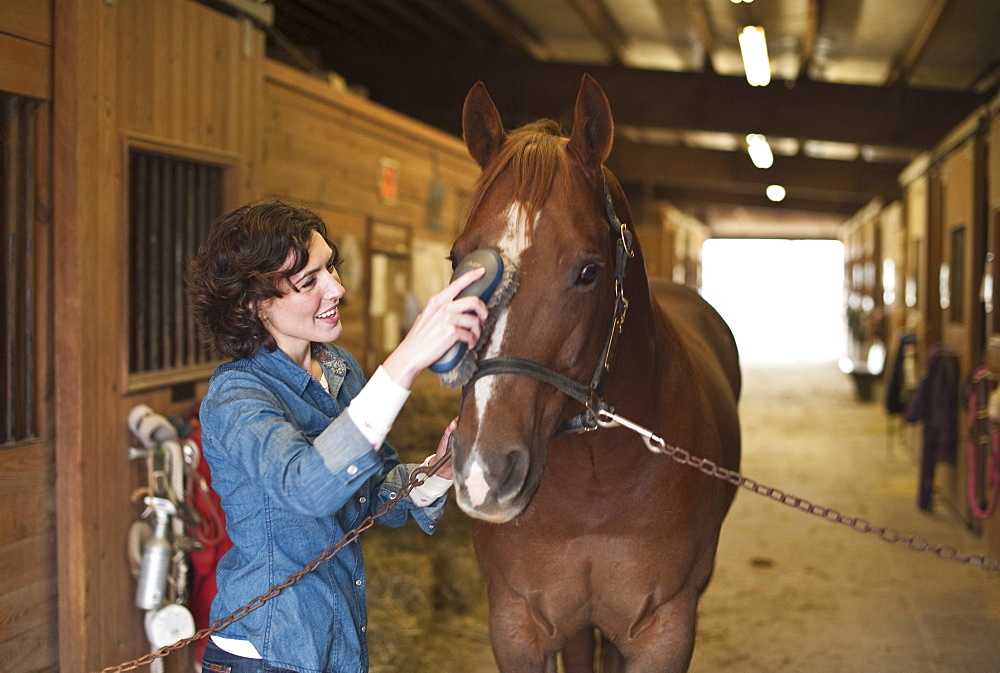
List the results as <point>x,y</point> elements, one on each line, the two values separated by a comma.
<point>375,408</point>
<point>432,488</point>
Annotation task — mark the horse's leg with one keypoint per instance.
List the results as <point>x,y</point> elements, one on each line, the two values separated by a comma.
<point>521,637</point>
<point>664,641</point>
<point>578,653</point>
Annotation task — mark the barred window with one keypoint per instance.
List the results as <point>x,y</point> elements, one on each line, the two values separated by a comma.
<point>23,291</point>
<point>172,203</point>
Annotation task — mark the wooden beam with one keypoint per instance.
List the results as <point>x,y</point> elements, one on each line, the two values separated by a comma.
<point>919,42</point>
<point>603,25</point>
<point>699,19</point>
<point>513,30</point>
<point>25,67</point>
<point>902,117</point>
<point>733,171</point>
<point>809,38</point>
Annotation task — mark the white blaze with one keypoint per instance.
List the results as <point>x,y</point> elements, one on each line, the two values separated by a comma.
<point>515,240</point>
<point>476,484</point>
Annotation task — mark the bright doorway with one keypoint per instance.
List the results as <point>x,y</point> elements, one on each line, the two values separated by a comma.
<point>783,299</point>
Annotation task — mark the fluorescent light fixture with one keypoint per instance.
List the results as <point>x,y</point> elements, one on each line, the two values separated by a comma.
<point>775,192</point>
<point>753,46</point>
<point>759,151</point>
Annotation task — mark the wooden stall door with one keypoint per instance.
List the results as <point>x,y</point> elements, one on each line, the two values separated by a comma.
<point>28,617</point>
<point>155,116</point>
<point>991,526</point>
<point>963,245</point>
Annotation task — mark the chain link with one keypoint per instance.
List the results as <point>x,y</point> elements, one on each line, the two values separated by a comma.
<point>417,477</point>
<point>608,419</point>
<point>605,419</point>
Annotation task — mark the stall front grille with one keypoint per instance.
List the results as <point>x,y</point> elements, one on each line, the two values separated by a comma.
<point>18,280</point>
<point>172,203</point>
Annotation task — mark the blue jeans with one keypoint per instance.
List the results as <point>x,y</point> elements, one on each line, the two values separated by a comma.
<point>217,660</point>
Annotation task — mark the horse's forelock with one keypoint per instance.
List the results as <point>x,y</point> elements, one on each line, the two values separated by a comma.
<point>534,155</point>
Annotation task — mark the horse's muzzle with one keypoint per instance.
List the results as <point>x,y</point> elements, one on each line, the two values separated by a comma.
<point>496,487</point>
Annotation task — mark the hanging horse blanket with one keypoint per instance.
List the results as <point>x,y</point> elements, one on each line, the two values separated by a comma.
<point>935,402</point>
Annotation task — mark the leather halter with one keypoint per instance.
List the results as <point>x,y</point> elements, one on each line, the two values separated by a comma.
<point>592,396</point>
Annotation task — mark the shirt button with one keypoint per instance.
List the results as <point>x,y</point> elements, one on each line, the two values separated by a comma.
<point>363,629</point>
<point>352,470</point>
<point>362,500</point>
<point>357,582</point>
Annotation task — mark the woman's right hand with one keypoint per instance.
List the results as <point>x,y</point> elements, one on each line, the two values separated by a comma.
<point>445,321</point>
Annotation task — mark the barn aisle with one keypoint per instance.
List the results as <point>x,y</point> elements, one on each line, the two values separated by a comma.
<point>792,592</point>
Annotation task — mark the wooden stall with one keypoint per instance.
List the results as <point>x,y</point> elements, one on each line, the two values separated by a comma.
<point>863,290</point>
<point>155,132</point>
<point>28,591</point>
<point>144,121</point>
<point>991,286</point>
<point>950,239</point>
<point>671,244</point>
<point>957,230</point>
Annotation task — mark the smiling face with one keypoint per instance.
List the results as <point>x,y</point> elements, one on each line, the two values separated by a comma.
<point>309,310</point>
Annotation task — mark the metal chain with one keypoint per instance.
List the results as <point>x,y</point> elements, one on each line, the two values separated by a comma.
<point>417,477</point>
<point>608,419</point>
<point>605,419</point>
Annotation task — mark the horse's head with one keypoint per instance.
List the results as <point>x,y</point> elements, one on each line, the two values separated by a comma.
<point>540,202</point>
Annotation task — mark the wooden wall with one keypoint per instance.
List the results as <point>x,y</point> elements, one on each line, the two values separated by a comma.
<point>179,79</point>
<point>323,146</point>
<point>671,245</point>
<point>950,221</point>
<point>863,238</point>
<point>28,617</point>
<point>184,80</point>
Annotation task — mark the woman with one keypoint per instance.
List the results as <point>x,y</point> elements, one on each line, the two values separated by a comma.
<point>294,465</point>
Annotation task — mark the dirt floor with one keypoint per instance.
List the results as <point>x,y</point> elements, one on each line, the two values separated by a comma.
<point>791,592</point>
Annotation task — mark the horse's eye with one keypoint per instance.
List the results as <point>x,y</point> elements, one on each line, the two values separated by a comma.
<point>588,275</point>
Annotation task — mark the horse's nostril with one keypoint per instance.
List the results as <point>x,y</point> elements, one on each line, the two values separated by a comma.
<point>513,479</point>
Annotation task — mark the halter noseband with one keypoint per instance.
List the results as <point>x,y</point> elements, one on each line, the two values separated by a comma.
<point>592,396</point>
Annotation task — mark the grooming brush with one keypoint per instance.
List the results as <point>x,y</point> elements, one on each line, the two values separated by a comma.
<point>494,288</point>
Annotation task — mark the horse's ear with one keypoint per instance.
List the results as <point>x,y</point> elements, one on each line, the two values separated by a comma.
<point>593,128</point>
<point>481,125</point>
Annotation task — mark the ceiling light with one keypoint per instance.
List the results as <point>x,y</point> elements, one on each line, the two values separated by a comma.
<point>736,2</point>
<point>775,192</point>
<point>753,46</point>
<point>759,151</point>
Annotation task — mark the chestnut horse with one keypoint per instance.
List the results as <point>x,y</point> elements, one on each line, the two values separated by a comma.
<point>586,537</point>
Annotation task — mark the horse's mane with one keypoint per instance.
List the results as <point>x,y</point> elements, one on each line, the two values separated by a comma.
<point>533,154</point>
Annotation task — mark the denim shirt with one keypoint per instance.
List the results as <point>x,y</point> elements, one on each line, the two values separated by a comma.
<point>294,475</point>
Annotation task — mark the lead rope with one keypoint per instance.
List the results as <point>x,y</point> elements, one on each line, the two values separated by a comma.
<point>608,419</point>
<point>417,477</point>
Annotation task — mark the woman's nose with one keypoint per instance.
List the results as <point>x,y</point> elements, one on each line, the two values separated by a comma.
<point>334,288</point>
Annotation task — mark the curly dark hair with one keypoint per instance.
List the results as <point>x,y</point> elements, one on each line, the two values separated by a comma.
<point>241,265</point>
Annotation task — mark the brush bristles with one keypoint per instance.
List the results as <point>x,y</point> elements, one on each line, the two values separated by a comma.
<point>466,367</point>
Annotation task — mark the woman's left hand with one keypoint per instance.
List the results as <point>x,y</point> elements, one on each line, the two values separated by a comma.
<point>442,449</point>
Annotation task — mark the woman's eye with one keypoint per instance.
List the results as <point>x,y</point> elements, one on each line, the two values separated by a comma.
<point>588,275</point>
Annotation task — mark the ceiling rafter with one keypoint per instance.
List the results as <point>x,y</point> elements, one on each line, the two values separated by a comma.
<point>919,43</point>
<point>809,38</point>
<point>510,27</point>
<point>699,19</point>
<point>603,26</point>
